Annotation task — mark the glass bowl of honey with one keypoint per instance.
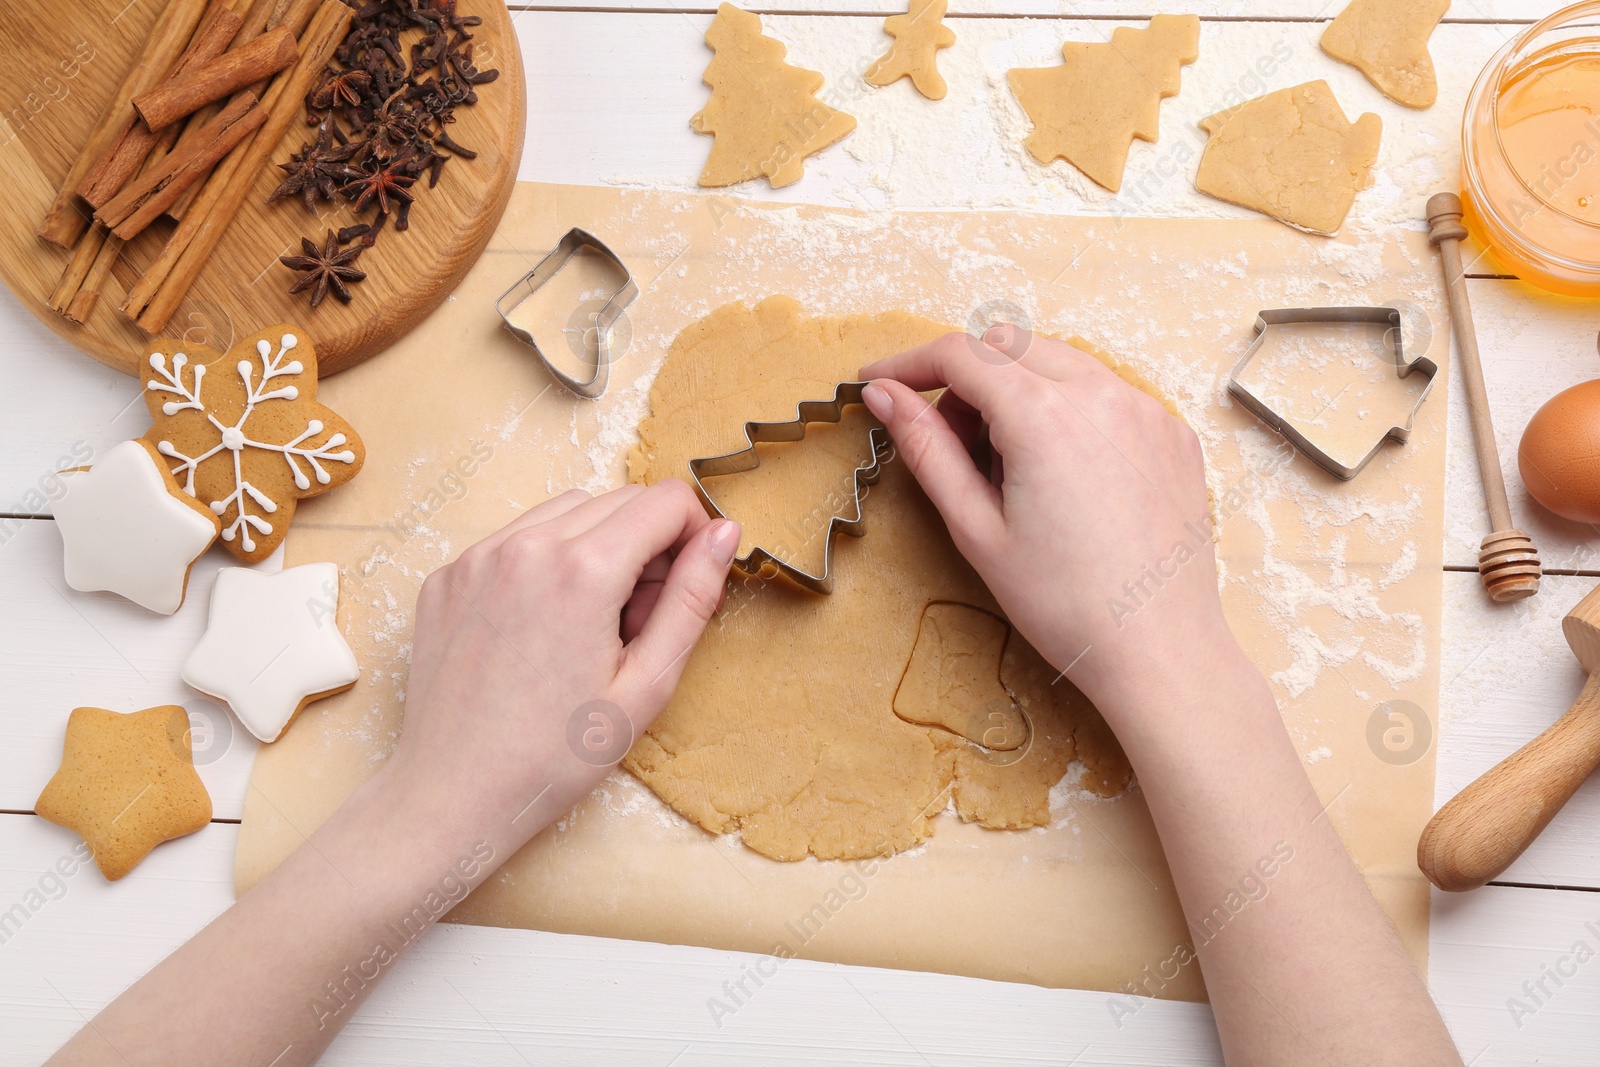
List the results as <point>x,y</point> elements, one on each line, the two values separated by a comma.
<point>1530,152</point>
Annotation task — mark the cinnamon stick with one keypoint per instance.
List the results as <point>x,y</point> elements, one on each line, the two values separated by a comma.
<point>236,68</point>
<point>256,18</point>
<point>88,295</point>
<point>143,201</point>
<point>157,295</point>
<point>78,268</point>
<point>65,222</point>
<point>137,140</point>
<point>295,14</point>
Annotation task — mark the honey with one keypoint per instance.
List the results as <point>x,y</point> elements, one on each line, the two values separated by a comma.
<point>1531,153</point>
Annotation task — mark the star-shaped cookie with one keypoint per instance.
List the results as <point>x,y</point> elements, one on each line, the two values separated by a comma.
<point>128,529</point>
<point>126,784</point>
<point>272,645</point>
<point>244,433</point>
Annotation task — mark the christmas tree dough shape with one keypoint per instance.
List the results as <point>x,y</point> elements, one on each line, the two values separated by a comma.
<point>1290,154</point>
<point>763,113</point>
<point>783,726</point>
<point>1388,42</point>
<point>1088,110</point>
<point>918,36</point>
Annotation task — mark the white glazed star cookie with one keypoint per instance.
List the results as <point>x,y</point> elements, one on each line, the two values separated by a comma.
<point>128,528</point>
<point>272,645</point>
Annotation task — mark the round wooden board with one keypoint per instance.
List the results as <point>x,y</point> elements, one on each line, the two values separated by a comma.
<point>65,63</point>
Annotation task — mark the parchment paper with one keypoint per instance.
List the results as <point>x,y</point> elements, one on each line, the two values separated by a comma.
<point>1334,588</point>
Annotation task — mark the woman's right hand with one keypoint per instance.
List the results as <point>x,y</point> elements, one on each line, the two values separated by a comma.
<point>1090,522</point>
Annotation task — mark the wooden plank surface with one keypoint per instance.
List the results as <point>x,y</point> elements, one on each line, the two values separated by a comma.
<point>473,995</point>
<point>614,93</point>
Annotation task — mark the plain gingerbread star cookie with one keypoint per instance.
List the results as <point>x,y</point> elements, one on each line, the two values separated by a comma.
<point>126,784</point>
<point>244,433</point>
<point>272,645</point>
<point>1387,40</point>
<point>127,528</point>
<point>1290,154</point>
<point>918,36</point>
<point>1088,110</point>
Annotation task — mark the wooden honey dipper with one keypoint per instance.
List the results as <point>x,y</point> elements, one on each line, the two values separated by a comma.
<point>1490,822</point>
<point>1508,562</point>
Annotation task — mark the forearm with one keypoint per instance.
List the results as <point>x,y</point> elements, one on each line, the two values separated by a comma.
<point>1296,953</point>
<point>274,978</point>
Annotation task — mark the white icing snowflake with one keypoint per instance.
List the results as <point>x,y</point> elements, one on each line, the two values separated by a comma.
<point>248,501</point>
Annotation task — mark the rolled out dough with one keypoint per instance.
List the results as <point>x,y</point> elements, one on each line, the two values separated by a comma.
<point>784,727</point>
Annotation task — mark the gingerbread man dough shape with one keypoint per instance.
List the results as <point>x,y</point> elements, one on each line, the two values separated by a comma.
<point>918,36</point>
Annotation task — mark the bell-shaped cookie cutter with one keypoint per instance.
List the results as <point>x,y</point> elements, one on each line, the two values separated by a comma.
<point>575,241</point>
<point>1387,317</point>
<point>759,560</point>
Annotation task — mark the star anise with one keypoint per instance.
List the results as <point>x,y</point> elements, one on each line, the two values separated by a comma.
<point>384,107</point>
<point>325,268</point>
<point>342,88</point>
<point>380,182</point>
<point>318,170</point>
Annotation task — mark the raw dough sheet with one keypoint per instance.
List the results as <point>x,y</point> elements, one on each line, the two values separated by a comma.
<point>1334,588</point>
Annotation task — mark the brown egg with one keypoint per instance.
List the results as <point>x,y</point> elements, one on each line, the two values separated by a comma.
<point>1560,453</point>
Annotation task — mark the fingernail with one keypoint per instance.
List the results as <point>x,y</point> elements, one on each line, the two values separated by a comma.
<point>878,401</point>
<point>997,335</point>
<point>724,541</point>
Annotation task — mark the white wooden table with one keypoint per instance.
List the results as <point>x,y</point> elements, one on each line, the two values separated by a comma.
<point>610,93</point>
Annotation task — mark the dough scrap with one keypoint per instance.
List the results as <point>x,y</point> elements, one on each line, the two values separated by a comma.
<point>1388,42</point>
<point>763,115</point>
<point>1088,110</point>
<point>918,36</point>
<point>783,726</point>
<point>1290,154</point>
<point>953,679</point>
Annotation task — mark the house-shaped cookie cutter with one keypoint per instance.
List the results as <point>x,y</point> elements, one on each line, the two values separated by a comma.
<point>571,244</point>
<point>760,561</point>
<point>1387,317</point>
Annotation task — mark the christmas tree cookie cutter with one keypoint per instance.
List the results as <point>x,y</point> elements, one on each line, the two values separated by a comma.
<point>760,561</point>
<point>1387,317</point>
<point>571,244</point>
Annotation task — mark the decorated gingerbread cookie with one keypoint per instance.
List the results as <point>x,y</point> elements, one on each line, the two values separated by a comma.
<point>128,528</point>
<point>273,645</point>
<point>126,784</point>
<point>243,432</point>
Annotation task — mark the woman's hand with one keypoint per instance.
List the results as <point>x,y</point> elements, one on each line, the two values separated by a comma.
<point>1089,519</point>
<point>544,650</point>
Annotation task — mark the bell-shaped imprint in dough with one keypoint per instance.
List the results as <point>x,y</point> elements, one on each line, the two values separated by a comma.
<point>763,114</point>
<point>918,36</point>
<point>953,677</point>
<point>1088,110</point>
<point>1290,154</point>
<point>1388,42</point>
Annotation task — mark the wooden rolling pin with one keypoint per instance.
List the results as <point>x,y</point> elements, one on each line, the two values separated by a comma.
<point>1490,822</point>
<point>1508,562</point>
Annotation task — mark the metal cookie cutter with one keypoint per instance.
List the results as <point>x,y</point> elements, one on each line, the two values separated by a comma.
<point>1388,317</point>
<point>547,268</point>
<point>759,559</point>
